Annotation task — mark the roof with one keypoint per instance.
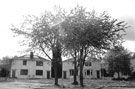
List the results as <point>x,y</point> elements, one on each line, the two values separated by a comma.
<point>87,59</point>
<point>133,56</point>
<point>27,57</point>
<point>92,59</point>
<point>68,60</point>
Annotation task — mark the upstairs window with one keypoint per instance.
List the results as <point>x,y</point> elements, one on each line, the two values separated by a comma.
<point>39,63</point>
<point>87,63</point>
<point>24,62</point>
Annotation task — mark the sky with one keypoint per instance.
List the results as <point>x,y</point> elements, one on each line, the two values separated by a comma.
<point>12,12</point>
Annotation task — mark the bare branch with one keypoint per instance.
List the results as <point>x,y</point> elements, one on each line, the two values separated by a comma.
<point>45,52</point>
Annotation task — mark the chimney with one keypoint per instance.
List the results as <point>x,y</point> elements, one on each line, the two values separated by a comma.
<point>31,55</point>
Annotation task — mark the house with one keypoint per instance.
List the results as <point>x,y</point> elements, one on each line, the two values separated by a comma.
<point>33,66</point>
<point>104,68</point>
<point>68,68</point>
<point>92,68</point>
<point>30,66</point>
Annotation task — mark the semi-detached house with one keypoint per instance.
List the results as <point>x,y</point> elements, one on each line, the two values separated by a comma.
<point>92,68</point>
<point>30,66</point>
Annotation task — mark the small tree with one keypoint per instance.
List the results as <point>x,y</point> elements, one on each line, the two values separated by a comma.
<point>119,61</point>
<point>6,63</point>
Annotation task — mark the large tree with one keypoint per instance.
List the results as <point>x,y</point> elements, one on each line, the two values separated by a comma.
<point>119,61</point>
<point>88,32</point>
<point>44,34</point>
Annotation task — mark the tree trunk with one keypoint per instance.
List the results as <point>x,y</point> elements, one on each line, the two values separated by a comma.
<point>56,73</point>
<point>75,73</point>
<point>81,75</point>
<point>57,61</point>
<point>118,72</point>
<point>118,75</point>
<point>81,67</point>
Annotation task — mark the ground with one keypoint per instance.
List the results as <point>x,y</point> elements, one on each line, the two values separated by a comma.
<point>105,83</point>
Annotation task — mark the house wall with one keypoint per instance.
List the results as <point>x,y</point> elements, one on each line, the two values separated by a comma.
<point>95,66</point>
<point>67,65</point>
<point>31,66</point>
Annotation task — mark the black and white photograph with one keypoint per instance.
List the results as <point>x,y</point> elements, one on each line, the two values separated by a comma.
<point>67,44</point>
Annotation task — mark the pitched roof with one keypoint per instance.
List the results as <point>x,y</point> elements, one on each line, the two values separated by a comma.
<point>35,58</point>
<point>68,60</point>
<point>91,59</point>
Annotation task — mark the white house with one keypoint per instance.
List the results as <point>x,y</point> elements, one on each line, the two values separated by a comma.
<point>30,66</point>
<point>33,66</point>
<point>92,68</point>
<point>68,68</point>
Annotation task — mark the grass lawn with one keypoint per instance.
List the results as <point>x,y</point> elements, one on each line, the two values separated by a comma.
<point>106,83</point>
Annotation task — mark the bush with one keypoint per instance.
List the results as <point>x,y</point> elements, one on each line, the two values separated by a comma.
<point>120,79</point>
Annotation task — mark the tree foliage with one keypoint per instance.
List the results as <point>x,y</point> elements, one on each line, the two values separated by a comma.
<point>5,66</point>
<point>6,63</point>
<point>119,61</point>
<point>44,34</point>
<point>88,33</point>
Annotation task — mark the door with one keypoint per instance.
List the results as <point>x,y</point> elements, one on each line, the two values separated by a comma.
<point>13,73</point>
<point>64,74</point>
<point>48,74</point>
<point>98,74</point>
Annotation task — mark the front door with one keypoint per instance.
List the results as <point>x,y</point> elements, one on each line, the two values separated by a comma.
<point>13,73</point>
<point>48,74</point>
<point>98,74</point>
<point>64,74</point>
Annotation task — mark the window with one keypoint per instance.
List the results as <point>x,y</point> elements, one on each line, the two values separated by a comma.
<point>71,71</point>
<point>39,72</point>
<point>39,63</point>
<point>91,72</point>
<point>24,62</point>
<point>88,72</point>
<point>87,63</point>
<point>24,72</point>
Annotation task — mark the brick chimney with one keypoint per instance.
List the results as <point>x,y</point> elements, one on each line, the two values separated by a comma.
<point>31,55</point>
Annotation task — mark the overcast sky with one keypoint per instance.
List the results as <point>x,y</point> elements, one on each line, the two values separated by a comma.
<point>12,11</point>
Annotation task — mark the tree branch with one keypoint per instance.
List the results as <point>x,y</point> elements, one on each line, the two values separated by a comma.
<point>45,52</point>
